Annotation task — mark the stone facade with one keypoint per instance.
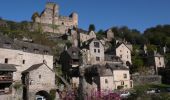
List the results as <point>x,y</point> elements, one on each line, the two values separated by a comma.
<point>94,51</point>
<point>36,80</point>
<point>124,53</point>
<point>52,22</point>
<point>109,35</point>
<point>24,55</point>
<point>122,79</point>
<point>145,79</point>
<point>87,36</point>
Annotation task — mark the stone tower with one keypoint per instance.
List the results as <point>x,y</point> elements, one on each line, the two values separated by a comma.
<point>110,35</point>
<point>74,16</point>
<point>52,9</point>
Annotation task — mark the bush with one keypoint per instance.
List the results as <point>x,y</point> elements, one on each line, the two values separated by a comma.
<point>52,94</point>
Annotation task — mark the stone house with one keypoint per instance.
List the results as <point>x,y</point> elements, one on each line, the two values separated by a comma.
<point>94,51</point>
<point>121,76</point>
<point>108,77</point>
<point>51,20</point>
<point>124,52</point>
<point>36,82</point>
<point>157,61</point>
<point>23,55</point>
<point>6,80</point>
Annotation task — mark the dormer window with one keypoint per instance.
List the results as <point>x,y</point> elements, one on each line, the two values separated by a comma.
<point>45,52</point>
<point>36,50</point>
<point>24,48</point>
<point>7,45</point>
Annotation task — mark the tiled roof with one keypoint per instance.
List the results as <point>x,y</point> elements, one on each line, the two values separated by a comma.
<point>7,67</point>
<point>33,67</point>
<point>21,45</point>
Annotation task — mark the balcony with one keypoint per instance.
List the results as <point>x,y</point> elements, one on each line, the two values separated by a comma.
<point>5,91</point>
<point>5,79</point>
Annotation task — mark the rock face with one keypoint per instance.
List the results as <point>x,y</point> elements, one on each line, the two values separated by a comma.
<point>51,21</point>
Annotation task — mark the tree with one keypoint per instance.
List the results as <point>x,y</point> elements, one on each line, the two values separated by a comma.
<point>92,27</point>
<point>100,34</point>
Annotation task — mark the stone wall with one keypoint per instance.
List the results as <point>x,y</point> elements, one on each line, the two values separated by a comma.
<point>124,53</point>
<point>147,79</point>
<point>51,16</point>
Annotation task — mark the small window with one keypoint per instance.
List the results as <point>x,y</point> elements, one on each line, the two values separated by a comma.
<point>31,81</point>
<point>7,45</point>
<point>23,61</point>
<point>127,51</point>
<point>127,56</point>
<point>120,50</point>
<point>125,75</point>
<point>94,50</point>
<point>45,52</point>
<point>122,82</point>
<point>96,44</point>
<point>39,76</point>
<point>120,56</point>
<point>131,84</point>
<point>106,81</point>
<point>36,50</point>
<point>159,63</point>
<point>24,48</point>
<point>97,58</point>
<point>6,60</point>
<point>98,50</point>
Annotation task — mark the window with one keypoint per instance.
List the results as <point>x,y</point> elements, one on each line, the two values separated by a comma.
<point>6,60</point>
<point>23,61</point>
<point>127,51</point>
<point>131,84</point>
<point>74,53</point>
<point>159,63</point>
<point>7,45</point>
<point>98,50</point>
<point>39,76</point>
<point>94,50</point>
<point>36,50</point>
<point>122,82</point>
<point>120,50</point>
<point>45,52</point>
<point>125,75</point>
<point>96,44</point>
<point>120,56</point>
<point>106,81</point>
<point>24,48</point>
<point>127,56</point>
<point>97,58</point>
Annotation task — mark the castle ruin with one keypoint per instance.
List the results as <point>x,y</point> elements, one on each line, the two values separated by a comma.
<point>52,22</point>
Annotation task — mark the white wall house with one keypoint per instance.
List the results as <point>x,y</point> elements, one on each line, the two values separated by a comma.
<point>124,53</point>
<point>159,61</point>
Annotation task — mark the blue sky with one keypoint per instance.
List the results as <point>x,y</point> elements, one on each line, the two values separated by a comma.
<point>138,14</point>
